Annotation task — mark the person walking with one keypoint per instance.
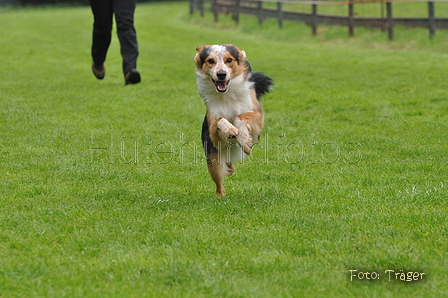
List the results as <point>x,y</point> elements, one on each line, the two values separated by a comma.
<point>103,11</point>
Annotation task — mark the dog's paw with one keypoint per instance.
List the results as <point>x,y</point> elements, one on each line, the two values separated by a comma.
<point>245,143</point>
<point>244,137</point>
<point>227,129</point>
<point>232,132</point>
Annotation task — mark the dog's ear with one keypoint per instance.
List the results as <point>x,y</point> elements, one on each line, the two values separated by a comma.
<point>200,48</point>
<point>197,57</point>
<point>242,56</point>
<point>197,60</point>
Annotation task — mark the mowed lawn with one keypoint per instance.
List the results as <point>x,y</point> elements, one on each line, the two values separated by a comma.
<point>104,190</point>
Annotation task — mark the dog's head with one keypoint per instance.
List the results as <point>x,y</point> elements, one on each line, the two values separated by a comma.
<point>221,63</point>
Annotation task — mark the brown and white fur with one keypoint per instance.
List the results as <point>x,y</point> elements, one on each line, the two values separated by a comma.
<point>234,118</point>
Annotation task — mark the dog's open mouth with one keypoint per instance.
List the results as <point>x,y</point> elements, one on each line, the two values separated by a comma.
<point>221,86</point>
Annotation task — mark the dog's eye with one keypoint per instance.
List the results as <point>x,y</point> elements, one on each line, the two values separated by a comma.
<point>211,61</point>
<point>229,60</point>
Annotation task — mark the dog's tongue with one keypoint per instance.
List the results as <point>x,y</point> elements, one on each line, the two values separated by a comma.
<point>221,85</point>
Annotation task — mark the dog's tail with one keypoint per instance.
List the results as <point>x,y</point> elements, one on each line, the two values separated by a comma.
<point>262,83</point>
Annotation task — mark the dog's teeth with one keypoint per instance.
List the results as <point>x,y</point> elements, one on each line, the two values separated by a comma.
<point>221,85</point>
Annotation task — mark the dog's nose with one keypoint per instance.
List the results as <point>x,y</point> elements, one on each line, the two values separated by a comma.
<point>221,75</point>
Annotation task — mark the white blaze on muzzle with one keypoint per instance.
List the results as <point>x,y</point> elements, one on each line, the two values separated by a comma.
<point>221,73</point>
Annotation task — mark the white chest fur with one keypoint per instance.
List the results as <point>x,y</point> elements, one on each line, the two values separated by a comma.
<point>230,104</point>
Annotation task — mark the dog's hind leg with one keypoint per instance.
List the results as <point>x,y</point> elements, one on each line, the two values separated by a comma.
<point>217,173</point>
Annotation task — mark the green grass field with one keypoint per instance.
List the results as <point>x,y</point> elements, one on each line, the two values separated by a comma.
<point>105,192</point>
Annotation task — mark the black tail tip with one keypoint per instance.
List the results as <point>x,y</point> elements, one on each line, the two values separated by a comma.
<point>262,83</point>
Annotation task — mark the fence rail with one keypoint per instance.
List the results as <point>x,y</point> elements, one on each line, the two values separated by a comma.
<point>313,19</point>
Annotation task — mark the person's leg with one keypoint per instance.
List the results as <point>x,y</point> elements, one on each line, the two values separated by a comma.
<point>124,17</point>
<point>102,29</point>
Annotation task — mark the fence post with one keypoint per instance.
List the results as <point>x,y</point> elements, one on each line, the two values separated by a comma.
<point>215,10</point>
<point>260,12</point>
<point>201,7</point>
<point>280,14</point>
<point>432,21</point>
<point>351,22</point>
<point>237,12</point>
<point>390,20</point>
<point>191,6</point>
<point>314,19</point>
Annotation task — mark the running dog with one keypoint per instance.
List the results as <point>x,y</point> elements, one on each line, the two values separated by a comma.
<point>234,117</point>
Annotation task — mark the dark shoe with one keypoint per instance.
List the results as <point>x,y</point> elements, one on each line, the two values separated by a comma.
<point>132,77</point>
<point>98,71</point>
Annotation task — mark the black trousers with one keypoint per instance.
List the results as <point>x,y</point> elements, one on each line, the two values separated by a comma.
<point>103,11</point>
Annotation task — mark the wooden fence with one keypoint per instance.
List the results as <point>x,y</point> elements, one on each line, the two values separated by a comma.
<point>313,19</point>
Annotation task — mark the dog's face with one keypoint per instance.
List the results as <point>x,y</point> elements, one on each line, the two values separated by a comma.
<point>220,63</point>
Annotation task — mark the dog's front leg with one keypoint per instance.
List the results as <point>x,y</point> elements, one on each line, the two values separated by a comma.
<point>221,130</point>
<point>227,129</point>
<point>244,137</point>
<point>249,127</point>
